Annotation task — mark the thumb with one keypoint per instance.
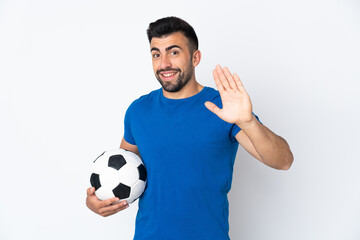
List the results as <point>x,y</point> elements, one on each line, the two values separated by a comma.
<point>90,191</point>
<point>213,108</point>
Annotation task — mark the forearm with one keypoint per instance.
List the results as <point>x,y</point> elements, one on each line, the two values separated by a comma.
<point>272,149</point>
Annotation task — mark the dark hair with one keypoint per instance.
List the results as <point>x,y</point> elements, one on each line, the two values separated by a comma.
<point>165,26</point>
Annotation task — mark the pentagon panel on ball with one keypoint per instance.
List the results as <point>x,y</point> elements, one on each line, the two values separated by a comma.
<point>118,173</point>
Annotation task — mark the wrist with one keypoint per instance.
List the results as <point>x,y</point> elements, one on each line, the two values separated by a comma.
<point>247,124</point>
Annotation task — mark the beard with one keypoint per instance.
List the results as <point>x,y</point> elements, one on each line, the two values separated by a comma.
<point>177,84</point>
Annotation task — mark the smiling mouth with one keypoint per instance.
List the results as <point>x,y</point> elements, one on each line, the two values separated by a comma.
<point>168,75</point>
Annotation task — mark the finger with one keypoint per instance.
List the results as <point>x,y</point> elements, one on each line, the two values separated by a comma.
<point>108,202</point>
<point>122,208</point>
<point>222,77</point>
<point>239,83</point>
<point>115,207</point>
<point>217,81</point>
<point>230,78</point>
<point>213,108</point>
<point>107,211</point>
<point>106,214</point>
<point>90,191</point>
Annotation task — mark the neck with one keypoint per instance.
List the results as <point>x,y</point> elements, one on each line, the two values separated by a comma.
<point>189,90</point>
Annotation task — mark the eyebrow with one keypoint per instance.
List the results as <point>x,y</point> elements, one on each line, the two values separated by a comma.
<point>166,49</point>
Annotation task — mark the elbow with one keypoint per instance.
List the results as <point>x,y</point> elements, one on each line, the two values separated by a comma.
<point>287,162</point>
<point>280,162</point>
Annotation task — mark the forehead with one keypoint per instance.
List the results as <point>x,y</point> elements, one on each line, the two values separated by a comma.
<point>176,38</point>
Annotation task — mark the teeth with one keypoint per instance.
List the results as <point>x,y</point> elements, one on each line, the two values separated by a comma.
<point>168,74</point>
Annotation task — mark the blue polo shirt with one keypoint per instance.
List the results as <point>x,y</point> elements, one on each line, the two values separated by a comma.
<point>189,154</point>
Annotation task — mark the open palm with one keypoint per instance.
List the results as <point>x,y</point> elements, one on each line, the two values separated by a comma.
<point>237,107</point>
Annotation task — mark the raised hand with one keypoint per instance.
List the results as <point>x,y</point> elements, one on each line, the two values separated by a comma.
<point>237,107</point>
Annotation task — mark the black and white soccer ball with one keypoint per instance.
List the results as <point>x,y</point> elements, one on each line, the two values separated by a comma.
<point>118,173</point>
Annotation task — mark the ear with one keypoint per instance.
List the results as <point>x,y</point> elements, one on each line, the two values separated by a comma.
<point>196,58</point>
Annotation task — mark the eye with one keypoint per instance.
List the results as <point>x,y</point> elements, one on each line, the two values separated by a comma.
<point>174,53</point>
<point>156,55</point>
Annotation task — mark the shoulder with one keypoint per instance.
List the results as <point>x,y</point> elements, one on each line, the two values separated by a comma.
<point>145,100</point>
<point>211,92</point>
<point>213,95</point>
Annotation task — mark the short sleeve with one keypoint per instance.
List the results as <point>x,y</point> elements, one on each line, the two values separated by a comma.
<point>236,129</point>
<point>128,134</point>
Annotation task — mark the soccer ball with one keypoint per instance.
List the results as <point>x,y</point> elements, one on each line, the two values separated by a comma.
<point>118,173</point>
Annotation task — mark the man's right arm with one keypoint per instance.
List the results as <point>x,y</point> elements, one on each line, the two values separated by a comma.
<point>130,147</point>
<point>108,207</point>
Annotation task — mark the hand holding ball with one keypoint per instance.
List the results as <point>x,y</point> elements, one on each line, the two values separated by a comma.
<point>118,173</point>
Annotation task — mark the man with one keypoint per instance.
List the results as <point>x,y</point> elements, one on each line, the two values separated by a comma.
<point>187,136</point>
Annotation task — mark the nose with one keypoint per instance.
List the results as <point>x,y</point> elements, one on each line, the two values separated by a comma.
<point>165,62</point>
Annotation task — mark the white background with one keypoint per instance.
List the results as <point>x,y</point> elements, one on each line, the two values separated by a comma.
<point>69,70</point>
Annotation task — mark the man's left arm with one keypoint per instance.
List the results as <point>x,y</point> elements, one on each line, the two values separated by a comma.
<point>257,139</point>
<point>264,145</point>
